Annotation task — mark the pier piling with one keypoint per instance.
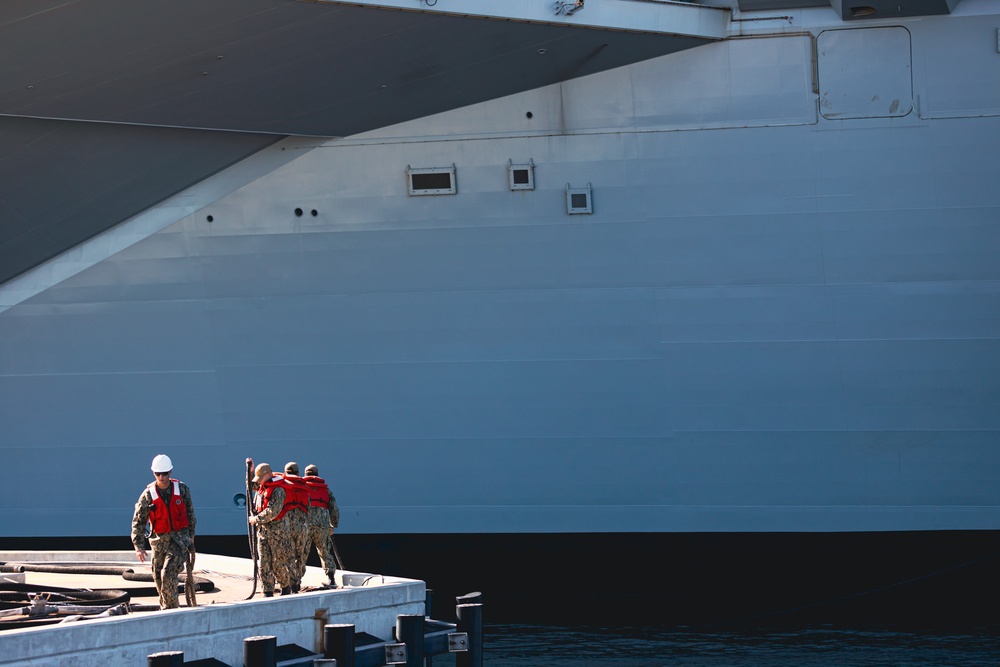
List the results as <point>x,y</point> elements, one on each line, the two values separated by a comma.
<point>338,643</point>
<point>260,651</point>
<point>410,631</point>
<point>470,621</point>
<point>165,659</point>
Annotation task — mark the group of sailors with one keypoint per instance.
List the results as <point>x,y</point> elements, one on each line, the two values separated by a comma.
<point>292,515</point>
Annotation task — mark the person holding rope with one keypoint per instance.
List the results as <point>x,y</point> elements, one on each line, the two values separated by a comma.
<point>277,558</point>
<point>167,507</point>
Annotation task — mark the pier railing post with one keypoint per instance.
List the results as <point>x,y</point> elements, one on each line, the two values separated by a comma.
<point>338,643</point>
<point>165,659</point>
<point>470,621</point>
<point>410,631</point>
<point>260,651</point>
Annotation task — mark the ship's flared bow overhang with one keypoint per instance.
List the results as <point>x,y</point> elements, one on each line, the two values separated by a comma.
<point>312,68</point>
<point>108,107</point>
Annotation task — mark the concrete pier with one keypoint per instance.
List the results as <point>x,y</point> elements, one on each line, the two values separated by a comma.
<point>215,628</point>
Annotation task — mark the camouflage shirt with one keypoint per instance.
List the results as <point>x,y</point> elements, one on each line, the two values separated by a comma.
<point>141,515</point>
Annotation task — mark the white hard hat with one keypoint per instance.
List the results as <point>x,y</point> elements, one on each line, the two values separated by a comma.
<point>161,463</point>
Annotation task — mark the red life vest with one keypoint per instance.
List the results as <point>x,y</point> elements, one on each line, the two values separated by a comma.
<point>319,492</point>
<point>263,496</point>
<point>163,518</point>
<point>296,492</point>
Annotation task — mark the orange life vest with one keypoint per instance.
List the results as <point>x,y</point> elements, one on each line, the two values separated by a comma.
<point>263,496</point>
<point>296,492</point>
<point>319,492</point>
<point>164,518</point>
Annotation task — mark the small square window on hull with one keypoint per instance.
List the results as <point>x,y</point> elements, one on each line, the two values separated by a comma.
<point>431,181</point>
<point>579,200</point>
<point>521,176</point>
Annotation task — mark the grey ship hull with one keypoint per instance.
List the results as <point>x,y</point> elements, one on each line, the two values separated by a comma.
<point>779,318</point>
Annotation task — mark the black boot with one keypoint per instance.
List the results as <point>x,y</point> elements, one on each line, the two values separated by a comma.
<point>287,590</point>
<point>295,588</point>
<point>333,581</point>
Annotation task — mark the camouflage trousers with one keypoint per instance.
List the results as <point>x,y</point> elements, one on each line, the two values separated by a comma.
<point>319,536</point>
<point>297,535</point>
<point>170,554</point>
<point>276,555</point>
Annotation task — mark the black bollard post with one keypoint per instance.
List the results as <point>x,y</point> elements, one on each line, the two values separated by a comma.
<point>338,643</point>
<point>260,651</point>
<point>410,631</point>
<point>470,621</point>
<point>165,659</point>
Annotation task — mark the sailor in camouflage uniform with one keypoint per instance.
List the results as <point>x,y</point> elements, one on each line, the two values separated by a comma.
<point>324,516</point>
<point>297,497</point>
<point>165,505</point>
<point>273,545</point>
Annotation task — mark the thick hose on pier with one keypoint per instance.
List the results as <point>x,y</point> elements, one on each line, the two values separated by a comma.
<point>28,605</point>
<point>200,584</point>
<point>16,595</point>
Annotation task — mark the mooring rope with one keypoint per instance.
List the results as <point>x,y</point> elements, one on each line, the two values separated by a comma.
<point>252,533</point>
<point>190,591</point>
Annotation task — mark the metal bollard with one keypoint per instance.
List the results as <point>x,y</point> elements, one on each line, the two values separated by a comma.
<point>260,651</point>
<point>470,621</point>
<point>410,631</point>
<point>165,659</point>
<point>338,643</point>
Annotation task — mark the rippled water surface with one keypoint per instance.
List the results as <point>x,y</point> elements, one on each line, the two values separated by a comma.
<point>550,646</point>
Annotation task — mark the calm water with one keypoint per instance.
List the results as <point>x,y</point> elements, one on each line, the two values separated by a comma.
<point>524,645</point>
